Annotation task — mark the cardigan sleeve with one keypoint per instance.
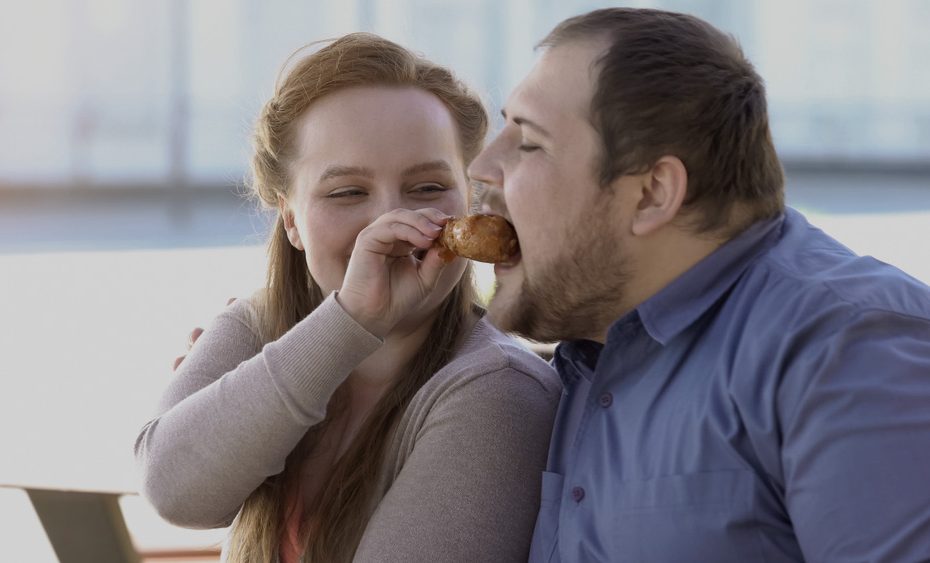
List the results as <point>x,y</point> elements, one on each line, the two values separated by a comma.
<point>235,410</point>
<point>469,488</point>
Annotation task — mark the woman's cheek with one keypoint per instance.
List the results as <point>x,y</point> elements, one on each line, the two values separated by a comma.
<point>327,275</point>
<point>455,206</point>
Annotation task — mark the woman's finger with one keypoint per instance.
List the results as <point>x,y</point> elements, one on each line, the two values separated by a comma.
<point>394,238</point>
<point>427,220</point>
<point>435,216</point>
<point>431,267</point>
<point>411,235</point>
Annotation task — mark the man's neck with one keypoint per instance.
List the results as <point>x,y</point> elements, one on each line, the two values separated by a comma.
<point>662,258</point>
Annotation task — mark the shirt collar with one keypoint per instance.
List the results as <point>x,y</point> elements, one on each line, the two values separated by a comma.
<point>576,358</point>
<point>680,303</point>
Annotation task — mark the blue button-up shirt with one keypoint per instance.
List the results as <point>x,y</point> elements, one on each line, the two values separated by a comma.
<point>770,404</point>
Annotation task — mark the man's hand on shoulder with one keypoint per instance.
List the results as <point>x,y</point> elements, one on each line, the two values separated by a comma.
<point>192,339</point>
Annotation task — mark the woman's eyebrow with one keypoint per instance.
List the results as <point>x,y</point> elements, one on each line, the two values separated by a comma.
<point>336,171</point>
<point>431,166</point>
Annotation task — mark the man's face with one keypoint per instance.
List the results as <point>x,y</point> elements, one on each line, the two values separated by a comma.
<point>572,268</point>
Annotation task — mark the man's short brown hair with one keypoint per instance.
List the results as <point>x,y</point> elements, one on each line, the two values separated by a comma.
<point>672,84</point>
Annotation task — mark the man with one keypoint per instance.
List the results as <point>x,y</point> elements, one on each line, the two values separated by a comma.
<point>738,385</point>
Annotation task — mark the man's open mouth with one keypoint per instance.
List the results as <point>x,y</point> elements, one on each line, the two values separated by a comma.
<point>511,262</point>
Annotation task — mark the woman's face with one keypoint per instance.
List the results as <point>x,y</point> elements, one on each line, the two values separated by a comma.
<point>362,152</point>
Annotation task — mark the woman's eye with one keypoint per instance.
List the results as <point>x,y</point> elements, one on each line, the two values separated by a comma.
<point>429,188</point>
<point>527,147</point>
<point>350,192</point>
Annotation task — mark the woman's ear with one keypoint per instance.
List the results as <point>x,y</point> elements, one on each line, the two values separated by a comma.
<point>662,194</point>
<point>290,227</point>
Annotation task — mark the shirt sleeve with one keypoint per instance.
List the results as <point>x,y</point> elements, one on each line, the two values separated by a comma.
<point>856,451</point>
<point>235,410</point>
<point>469,489</point>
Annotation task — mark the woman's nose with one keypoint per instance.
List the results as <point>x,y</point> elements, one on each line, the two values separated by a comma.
<point>385,203</point>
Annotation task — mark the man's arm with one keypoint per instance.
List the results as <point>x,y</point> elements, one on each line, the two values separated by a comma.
<point>856,449</point>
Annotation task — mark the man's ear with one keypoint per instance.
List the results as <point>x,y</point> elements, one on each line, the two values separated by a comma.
<point>663,191</point>
<point>290,227</point>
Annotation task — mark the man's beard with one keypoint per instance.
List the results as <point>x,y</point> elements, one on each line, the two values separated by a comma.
<point>575,296</point>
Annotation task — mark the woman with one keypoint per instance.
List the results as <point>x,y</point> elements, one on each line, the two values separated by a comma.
<point>358,408</point>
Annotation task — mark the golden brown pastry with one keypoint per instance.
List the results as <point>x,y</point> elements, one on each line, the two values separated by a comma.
<point>481,237</point>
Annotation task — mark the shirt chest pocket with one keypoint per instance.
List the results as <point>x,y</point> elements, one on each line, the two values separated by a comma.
<point>690,517</point>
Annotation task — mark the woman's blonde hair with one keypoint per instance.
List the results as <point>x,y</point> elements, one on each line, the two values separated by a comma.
<point>336,523</point>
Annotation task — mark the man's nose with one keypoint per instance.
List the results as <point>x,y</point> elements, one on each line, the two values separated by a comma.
<point>487,176</point>
<point>485,168</point>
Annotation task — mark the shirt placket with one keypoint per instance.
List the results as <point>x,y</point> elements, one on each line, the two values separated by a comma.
<point>575,517</point>
<point>581,533</point>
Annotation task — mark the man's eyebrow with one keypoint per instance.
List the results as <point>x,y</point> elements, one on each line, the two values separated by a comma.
<point>336,171</point>
<point>431,166</point>
<point>522,121</point>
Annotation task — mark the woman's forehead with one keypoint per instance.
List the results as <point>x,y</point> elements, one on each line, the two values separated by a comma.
<point>379,130</point>
<point>369,109</point>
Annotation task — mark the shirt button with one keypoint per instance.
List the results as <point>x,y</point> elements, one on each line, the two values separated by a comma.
<point>606,399</point>
<point>577,494</point>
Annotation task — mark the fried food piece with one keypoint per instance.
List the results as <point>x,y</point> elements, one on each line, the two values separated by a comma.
<point>481,237</point>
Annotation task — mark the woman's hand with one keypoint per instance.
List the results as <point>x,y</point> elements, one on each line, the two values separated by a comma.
<point>385,279</point>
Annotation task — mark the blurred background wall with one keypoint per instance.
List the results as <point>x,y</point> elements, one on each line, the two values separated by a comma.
<point>109,104</point>
<point>132,94</point>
